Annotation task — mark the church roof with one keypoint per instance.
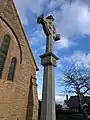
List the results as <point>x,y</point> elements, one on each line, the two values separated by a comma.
<point>25,37</point>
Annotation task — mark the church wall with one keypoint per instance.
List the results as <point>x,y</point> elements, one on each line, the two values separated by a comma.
<point>14,96</point>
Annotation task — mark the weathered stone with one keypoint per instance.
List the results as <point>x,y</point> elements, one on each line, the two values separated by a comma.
<point>48,60</point>
<point>14,96</point>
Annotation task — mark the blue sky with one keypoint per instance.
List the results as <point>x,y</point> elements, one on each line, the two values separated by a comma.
<point>72,22</point>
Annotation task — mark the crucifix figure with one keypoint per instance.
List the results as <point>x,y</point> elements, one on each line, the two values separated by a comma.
<point>48,60</point>
<point>49,31</point>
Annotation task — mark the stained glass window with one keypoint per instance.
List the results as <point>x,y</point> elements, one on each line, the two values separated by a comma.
<point>3,52</point>
<point>12,69</point>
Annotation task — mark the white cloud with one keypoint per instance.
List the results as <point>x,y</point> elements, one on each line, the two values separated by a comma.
<point>79,58</point>
<point>70,19</point>
<point>56,3</point>
<point>22,7</point>
<point>39,93</point>
<point>62,43</point>
<point>37,37</point>
<point>33,6</point>
<point>59,65</point>
<point>60,99</point>
<point>25,20</point>
<point>40,81</point>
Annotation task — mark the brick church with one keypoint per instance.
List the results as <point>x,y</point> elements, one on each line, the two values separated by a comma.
<point>18,88</point>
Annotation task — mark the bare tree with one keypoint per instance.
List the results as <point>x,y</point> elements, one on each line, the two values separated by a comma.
<point>77,80</point>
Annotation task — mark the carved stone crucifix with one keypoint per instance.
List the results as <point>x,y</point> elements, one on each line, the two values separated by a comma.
<point>49,31</point>
<point>48,60</point>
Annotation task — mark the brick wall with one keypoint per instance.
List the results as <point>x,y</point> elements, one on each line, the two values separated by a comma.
<point>14,96</point>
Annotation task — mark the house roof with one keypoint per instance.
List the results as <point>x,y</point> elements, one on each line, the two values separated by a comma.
<point>25,35</point>
<point>73,101</point>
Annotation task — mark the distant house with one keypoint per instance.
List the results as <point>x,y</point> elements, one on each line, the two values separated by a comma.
<point>73,103</point>
<point>65,105</point>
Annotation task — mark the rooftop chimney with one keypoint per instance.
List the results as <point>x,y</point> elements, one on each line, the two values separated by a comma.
<point>66,97</point>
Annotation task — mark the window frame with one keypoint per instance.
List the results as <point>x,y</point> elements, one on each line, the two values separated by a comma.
<point>4,52</point>
<point>12,68</point>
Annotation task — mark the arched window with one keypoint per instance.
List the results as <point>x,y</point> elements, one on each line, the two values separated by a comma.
<point>3,52</point>
<point>12,69</point>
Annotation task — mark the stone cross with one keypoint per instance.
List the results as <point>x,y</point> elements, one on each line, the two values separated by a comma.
<point>48,60</point>
<point>49,31</point>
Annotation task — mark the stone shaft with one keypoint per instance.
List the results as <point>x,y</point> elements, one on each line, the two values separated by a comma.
<point>48,60</point>
<point>49,43</point>
<point>48,98</point>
